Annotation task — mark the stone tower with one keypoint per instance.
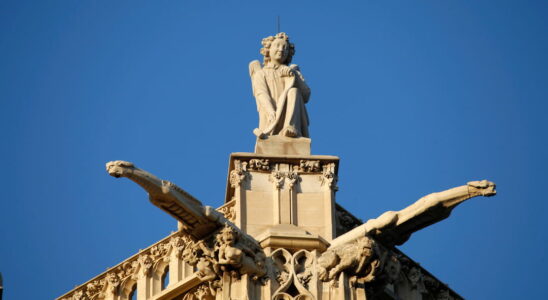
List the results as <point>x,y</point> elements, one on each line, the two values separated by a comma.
<point>280,234</point>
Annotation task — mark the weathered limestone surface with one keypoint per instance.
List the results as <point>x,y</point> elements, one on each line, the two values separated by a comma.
<point>281,145</point>
<point>280,235</point>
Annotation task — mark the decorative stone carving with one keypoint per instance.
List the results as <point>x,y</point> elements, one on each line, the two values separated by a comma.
<point>309,166</point>
<point>238,175</point>
<point>113,282</point>
<point>303,262</point>
<point>160,251</point>
<point>231,252</point>
<point>256,164</point>
<point>282,265</point>
<point>229,211</point>
<point>277,178</point>
<point>292,178</point>
<point>204,291</point>
<point>280,90</point>
<point>444,295</point>
<point>79,295</point>
<point>356,258</point>
<point>237,254</point>
<point>94,288</point>
<point>145,263</point>
<point>293,273</point>
<point>329,177</point>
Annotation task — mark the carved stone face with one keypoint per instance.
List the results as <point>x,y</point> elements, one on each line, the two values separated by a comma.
<point>229,237</point>
<point>279,50</point>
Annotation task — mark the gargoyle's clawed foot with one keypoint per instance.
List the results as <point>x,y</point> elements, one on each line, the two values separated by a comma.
<point>117,168</point>
<point>484,187</point>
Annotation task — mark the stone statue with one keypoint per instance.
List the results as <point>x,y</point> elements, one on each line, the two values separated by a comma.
<point>280,90</point>
<point>355,258</point>
<point>232,252</point>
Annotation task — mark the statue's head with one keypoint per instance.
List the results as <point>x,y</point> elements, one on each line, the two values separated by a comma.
<point>228,235</point>
<point>278,48</point>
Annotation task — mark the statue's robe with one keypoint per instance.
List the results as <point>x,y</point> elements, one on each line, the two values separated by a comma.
<point>269,81</point>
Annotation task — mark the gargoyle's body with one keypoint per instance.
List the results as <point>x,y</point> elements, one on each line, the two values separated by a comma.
<point>352,257</point>
<point>197,220</point>
<point>234,248</point>
<point>395,227</point>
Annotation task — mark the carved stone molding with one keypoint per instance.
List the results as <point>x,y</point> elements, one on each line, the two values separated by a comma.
<point>205,291</point>
<point>239,174</point>
<point>277,178</point>
<point>111,281</point>
<point>229,210</point>
<point>329,177</point>
<point>309,166</point>
<point>292,178</point>
<point>293,274</point>
<point>256,164</point>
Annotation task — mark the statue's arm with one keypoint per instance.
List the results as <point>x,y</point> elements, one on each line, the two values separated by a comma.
<point>300,83</point>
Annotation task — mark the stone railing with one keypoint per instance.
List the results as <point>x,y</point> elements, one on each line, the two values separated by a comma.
<point>144,273</point>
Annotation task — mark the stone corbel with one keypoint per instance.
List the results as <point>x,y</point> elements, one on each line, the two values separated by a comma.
<point>239,174</point>
<point>292,178</point>
<point>277,178</point>
<point>329,177</point>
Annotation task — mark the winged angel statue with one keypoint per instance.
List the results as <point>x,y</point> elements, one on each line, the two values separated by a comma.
<point>280,90</point>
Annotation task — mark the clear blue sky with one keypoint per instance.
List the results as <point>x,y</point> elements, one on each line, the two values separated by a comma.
<point>414,97</point>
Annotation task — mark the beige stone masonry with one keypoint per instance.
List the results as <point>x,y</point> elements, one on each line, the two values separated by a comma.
<point>273,190</point>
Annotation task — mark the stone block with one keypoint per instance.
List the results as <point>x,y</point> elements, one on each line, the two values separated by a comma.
<point>281,145</point>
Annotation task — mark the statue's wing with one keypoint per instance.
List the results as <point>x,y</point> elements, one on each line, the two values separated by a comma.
<point>253,67</point>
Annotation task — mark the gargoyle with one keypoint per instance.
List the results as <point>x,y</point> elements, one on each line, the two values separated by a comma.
<point>198,220</point>
<point>395,227</point>
<point>357,258</point>
<point>233,252</point>
<point>233,248</point>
